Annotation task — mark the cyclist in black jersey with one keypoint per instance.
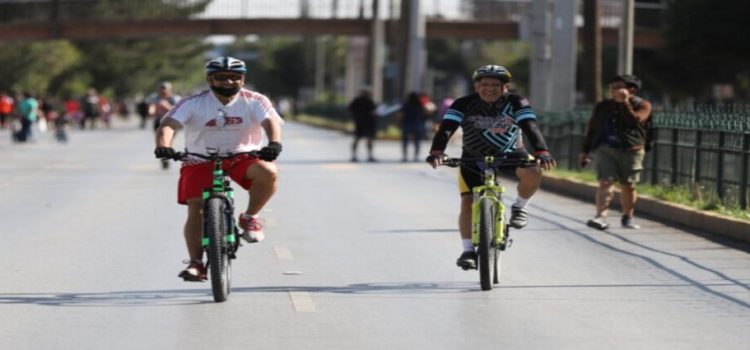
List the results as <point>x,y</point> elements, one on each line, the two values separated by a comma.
<point>494,122</point>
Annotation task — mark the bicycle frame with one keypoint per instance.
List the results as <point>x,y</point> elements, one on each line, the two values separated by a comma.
<point>492,191</point>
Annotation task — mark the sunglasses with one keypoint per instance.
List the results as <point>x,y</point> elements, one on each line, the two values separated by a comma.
<point>227,77</point>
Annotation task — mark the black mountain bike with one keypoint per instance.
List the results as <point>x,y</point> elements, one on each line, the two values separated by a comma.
<point>490,232</point>
<point>221,236</point>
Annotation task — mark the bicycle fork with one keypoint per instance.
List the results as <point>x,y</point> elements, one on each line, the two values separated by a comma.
<point>499,236</point>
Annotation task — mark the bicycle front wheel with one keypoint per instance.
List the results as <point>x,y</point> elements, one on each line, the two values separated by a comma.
<point>485,249</point>
<point>216,229</point>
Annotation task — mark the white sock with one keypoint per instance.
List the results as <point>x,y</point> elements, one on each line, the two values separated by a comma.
<point>468,247</point>
<point>247,216</point>
<point>520,202</point>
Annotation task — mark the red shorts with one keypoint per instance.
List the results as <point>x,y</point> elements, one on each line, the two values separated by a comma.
<point>197,177</point>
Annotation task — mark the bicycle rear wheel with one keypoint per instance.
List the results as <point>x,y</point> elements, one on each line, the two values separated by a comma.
<point>485,250</point>
<point>216,229</point>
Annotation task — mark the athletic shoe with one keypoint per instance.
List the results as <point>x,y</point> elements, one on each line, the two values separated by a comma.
<point>252,229</point>
<point>627,222</point>
<point>194,272</point>
<point>518,217</point>
<point>599,223</point>
<point>467,260</point>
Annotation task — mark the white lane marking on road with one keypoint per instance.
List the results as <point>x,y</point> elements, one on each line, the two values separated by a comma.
<point>283,253</point>
<point>334,166</point>
<point>302,301</point>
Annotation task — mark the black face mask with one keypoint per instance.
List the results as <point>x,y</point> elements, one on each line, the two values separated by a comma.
<point>226,92</point>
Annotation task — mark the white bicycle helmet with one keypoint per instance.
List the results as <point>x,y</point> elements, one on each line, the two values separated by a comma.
<point>225,64</point>
<point>492,71</point>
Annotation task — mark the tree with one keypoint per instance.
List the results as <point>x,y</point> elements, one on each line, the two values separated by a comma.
<point>33,66</point>
<point>706,43</point>
<point>118,67</point>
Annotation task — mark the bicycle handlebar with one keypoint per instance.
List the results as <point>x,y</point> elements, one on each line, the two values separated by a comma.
<point>498,162</point>
<point>215,156</point>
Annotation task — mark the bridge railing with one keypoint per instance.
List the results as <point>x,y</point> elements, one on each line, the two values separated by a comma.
<point>461,10</point>
<point>705,149</point>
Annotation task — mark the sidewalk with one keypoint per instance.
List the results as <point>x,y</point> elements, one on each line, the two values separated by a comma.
<point>671,213</point>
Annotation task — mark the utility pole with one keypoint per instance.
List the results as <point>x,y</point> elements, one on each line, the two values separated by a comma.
<point>541,54</point>
<point>625,49</point>
<point>592,50</point>
<point>554,38</point>
<point>377,44</point>
<point>564,56</point>
<point>415,60</point>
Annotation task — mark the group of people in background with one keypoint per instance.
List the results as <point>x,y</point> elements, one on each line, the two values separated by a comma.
<point>27,114</point>
<point>413,116</point>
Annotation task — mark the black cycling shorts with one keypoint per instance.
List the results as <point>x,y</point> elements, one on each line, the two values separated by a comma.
<point>470,176</point>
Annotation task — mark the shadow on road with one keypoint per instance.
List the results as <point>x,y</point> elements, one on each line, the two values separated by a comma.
<point>649,260</point>
<point>179,297</point>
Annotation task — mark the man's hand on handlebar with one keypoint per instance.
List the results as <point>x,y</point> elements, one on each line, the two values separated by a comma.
<point>436,158</point>
<point>270,152</point>
<point>545,160</point>
<point>165,153</point>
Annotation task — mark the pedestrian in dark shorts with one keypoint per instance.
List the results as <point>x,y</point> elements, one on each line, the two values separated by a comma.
<point>617,135</point>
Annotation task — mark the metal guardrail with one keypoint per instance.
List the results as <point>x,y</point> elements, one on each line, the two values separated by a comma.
<point>705,149</point>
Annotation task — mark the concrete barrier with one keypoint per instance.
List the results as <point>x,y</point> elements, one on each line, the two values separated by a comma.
<point>671,213</point>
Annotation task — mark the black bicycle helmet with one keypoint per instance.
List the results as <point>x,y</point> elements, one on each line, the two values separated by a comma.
<point>225,64</point>
<point>492,71</point>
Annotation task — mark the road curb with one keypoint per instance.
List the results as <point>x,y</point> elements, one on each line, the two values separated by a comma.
<point>672,213</point>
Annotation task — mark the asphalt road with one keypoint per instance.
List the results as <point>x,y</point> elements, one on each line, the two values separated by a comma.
<point>357,256</point>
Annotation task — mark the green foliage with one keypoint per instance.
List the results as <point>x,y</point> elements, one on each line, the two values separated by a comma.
<point>125,66</point>
<point>29,66</point>
<point>281,68</point>
<point>119,68</point>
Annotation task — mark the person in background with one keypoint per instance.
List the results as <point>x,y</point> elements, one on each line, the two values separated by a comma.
<point>617,134</point>
<point>159,105</point>
<point>28,112</point>
<point>362,111</point>
<point>6,109</point>
<point>142,108</point>
<point>413,116</point>
<point>90,108</point>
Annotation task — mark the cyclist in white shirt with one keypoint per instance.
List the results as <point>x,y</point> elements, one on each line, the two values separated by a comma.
<point>231,119</point>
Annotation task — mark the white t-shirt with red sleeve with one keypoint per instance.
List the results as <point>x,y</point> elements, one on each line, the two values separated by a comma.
<point>234,127</point>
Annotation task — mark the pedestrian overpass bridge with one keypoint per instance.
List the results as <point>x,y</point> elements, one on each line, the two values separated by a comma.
<point>22,20</point>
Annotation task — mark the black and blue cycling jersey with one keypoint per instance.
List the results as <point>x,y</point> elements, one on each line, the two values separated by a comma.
<point>491,128</point>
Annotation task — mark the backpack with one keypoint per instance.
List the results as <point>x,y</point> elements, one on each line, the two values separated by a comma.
<point>650,134</point>
<point>648,125</point>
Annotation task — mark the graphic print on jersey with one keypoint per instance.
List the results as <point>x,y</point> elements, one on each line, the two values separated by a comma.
<point>490,128</point>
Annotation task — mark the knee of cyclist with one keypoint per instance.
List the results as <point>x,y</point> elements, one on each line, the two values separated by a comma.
<point>529,174</point>
<point>268,172</point>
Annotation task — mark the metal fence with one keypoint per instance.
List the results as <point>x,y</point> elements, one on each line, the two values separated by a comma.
<point>705,149</point>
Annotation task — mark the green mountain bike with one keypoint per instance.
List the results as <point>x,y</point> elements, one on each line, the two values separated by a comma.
<point>221,236</point>
<point>490,232</point>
